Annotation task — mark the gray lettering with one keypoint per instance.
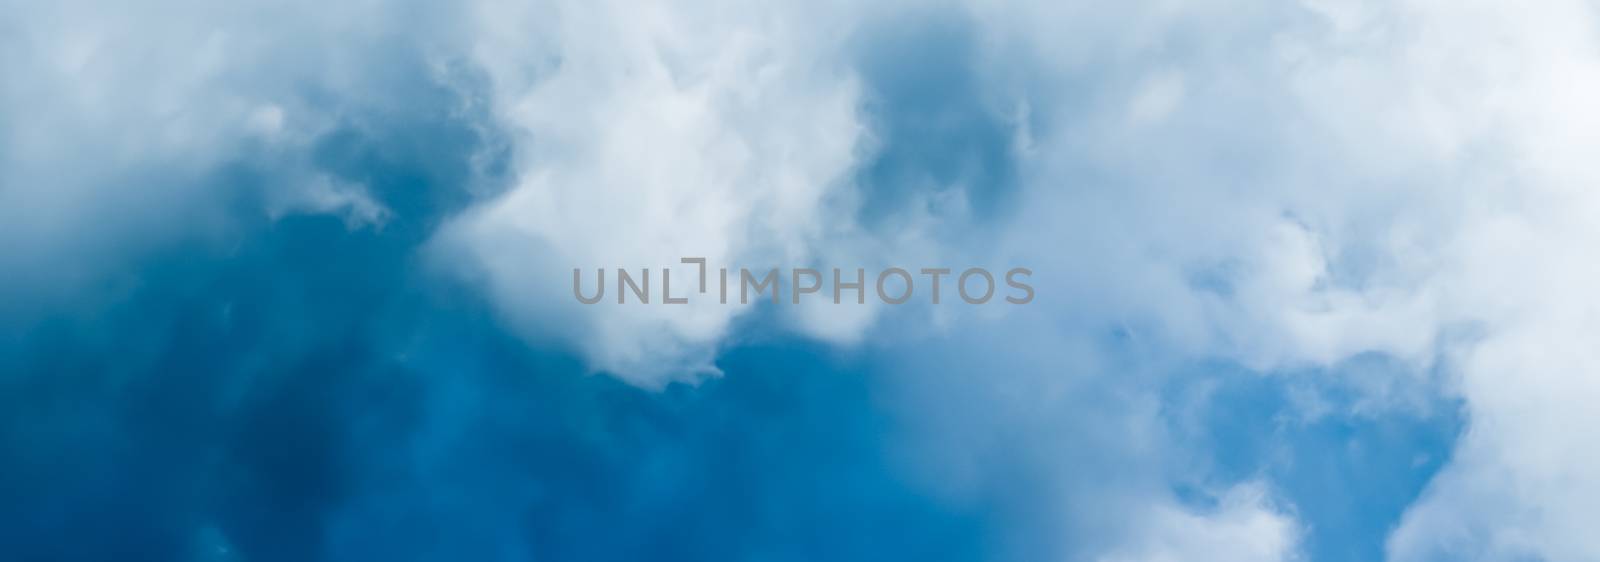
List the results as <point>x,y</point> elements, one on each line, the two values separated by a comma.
<point>816,284</point>
<point>600,287</point>
<point>702,263</point>
<point>666,288</point>
<point>988,291</point>
<point>860,286</point>
<point>935,272</point>
<point>623,279</point>
<point>1020,285</point>
<point>906,275</point>
<point>746,281</point>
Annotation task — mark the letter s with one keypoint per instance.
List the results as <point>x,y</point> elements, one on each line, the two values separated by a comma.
<point>1020,285</point>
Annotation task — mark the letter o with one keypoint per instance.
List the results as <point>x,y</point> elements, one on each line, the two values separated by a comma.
<point>988,292</point>
<point>906,275</point>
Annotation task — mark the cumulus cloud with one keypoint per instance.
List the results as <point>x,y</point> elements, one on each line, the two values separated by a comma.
<point>1359,178</point>
<point>1483,97</point>
<point>1282,187</point>
<point>1243,526</point>
<point>1285,187</point>
<point>125,128</point>
<point>720,131</point>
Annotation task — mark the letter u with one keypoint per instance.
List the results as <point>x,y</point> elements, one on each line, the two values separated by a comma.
<point>600,290</point>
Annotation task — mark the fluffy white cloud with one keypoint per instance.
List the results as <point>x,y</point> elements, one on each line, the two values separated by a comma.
<point>1404,178</point>
<point>1279,185</point>
<point>1492,99</point>
<point>117,120</point>
<point>1243,527</point>
<point>718,130</point>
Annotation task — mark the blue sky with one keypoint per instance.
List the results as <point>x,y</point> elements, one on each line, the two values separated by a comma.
<point>290,282</point>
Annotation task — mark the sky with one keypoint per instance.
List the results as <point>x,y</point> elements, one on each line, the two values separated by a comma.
<point>1313,280</point>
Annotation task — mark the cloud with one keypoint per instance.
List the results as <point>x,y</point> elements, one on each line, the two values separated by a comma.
<point>718,131</point>
<point>126,130</point>
<point>1242,527</point>
<point>1486,93</point>
<point>1333,182</point>
<point>1283,189</point>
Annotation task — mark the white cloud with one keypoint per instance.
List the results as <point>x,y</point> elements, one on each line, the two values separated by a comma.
<point>1490,94</point>
<point>718,130</point>
<point>1278,185</point>
<point>1243,527</point>
<point>117,119</point>
<point>1366,179</point>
